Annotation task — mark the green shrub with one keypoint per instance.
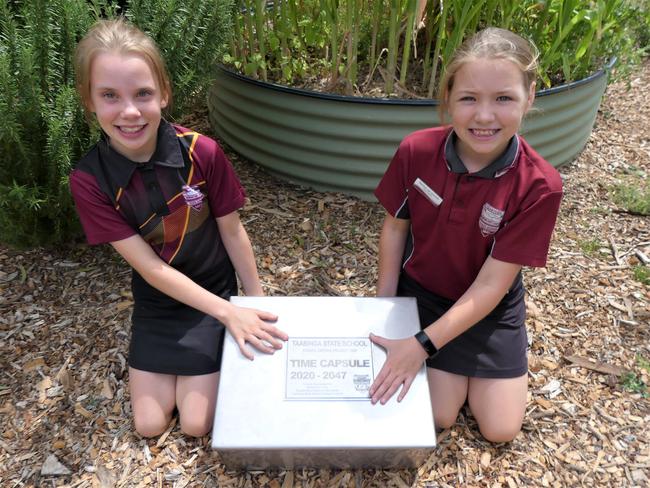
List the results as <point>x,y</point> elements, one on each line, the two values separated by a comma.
<point>43,131</point>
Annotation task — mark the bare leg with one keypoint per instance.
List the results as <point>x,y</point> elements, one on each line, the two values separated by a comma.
<point>196,397</point>
<point>152,401</point>
<point>498,404</point>
<point>448,393</point>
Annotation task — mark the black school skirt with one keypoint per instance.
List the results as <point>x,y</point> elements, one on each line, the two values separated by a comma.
<point>495,347</point>
<point>169,337</point>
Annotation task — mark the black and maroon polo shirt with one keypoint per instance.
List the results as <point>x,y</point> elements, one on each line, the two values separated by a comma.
<point>507,210</point>
<point>171,201</point>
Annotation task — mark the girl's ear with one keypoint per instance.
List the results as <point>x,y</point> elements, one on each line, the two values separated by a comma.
<point>531,95</point>
<point>163,101</point>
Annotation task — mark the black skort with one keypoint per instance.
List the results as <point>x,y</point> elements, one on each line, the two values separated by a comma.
<point>495,347</point>
<point>169,337</point>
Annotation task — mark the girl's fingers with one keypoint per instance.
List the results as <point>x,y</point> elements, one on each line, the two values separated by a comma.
<point>380,341</point>
<point>381,389</point>
<point>244,350</point>
<point>405,388</point>
<point>271,317</point>
<point>260,345</point>
<point>268,338</point>
<point>391,390</point>
<point>275,332</point>
<point>379,379</point>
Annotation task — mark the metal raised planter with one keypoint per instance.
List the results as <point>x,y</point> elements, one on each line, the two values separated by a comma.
<point>337,143</point>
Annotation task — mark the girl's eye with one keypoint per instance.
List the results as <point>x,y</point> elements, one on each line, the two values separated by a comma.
<point>504,98</point>
<point>144,93</point>
<point>467,99</point>
<point>109,95</point>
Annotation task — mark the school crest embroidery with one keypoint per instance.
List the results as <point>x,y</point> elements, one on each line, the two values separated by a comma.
<point>193,197</point>
<point>490,220</point>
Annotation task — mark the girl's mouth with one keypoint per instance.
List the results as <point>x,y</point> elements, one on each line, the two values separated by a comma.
<point>133,129</point>
<point>483,132</point>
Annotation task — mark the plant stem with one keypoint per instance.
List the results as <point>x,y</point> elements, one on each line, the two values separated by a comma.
<point>441,39</point>
<point>411,6</point>
<point>260,18</point>
<point>392,45</point>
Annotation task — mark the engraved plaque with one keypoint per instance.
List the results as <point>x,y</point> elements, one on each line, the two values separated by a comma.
<point>307,405</point>
<point>329,368</point>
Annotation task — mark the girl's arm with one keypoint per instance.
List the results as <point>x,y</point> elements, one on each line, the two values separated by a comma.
<point>239,248</point>
<point>391,249</point>
<point>244,324</point>
<point>405,356</point>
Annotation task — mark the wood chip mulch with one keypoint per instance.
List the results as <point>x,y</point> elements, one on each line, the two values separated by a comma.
<point>64,331</point>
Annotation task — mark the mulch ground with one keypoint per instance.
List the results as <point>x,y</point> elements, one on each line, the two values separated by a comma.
<point>64,330</point>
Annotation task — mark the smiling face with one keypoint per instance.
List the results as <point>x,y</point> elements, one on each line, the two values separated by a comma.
<point>487,103</point>
<point>127,102</point>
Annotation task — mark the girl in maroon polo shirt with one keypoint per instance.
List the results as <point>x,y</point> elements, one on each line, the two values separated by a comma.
<point>467,206</point>
<point>166,198</point>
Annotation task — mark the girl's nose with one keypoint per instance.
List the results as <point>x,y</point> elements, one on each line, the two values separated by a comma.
<point>484,113</point>
<point>130,110</point>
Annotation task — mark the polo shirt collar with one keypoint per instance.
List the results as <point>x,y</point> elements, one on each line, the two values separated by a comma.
<point>496,168</point>
<point>120,168</point>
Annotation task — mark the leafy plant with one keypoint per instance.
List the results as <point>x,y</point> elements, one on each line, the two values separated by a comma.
<point>590,246</point>
<point>43,131</point>
<point>634,199</point>
<point>643,363</point>
<point>633,383</point>
<point>406,42</point>
<point>641,274</point>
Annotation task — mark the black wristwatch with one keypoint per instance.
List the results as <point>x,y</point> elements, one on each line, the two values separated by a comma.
<point>428,346</point>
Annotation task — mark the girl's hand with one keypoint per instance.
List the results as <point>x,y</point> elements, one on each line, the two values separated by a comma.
<point>250,325</point>
<point>404,360</point>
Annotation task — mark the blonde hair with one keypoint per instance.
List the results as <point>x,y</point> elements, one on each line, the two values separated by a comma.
<point>118,36</point>
<point>490,43</point>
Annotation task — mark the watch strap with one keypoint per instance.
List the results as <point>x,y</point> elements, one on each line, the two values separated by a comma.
<point>426,343</point>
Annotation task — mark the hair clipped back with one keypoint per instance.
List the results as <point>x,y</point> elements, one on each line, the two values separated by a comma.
<point>117,36</point>
<point>490,43</point>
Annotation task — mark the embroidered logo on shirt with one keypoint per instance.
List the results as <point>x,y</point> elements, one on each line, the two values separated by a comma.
<point>490,220</point>
<point>428,193</point>
<point>193,197</point>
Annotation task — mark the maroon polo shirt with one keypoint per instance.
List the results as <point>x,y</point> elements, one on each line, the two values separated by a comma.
<point>507,210</point>
<point>117,198</point>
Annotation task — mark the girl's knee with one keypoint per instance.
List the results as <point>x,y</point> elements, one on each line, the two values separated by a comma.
<point>445,418</point>
<point>195,427</point>
<point>445,421</point>
<point>150,425</point>
<point>499,432</point>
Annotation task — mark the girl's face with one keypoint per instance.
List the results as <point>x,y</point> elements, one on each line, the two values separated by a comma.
<point>487,103</point>
<point>127,102</point>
